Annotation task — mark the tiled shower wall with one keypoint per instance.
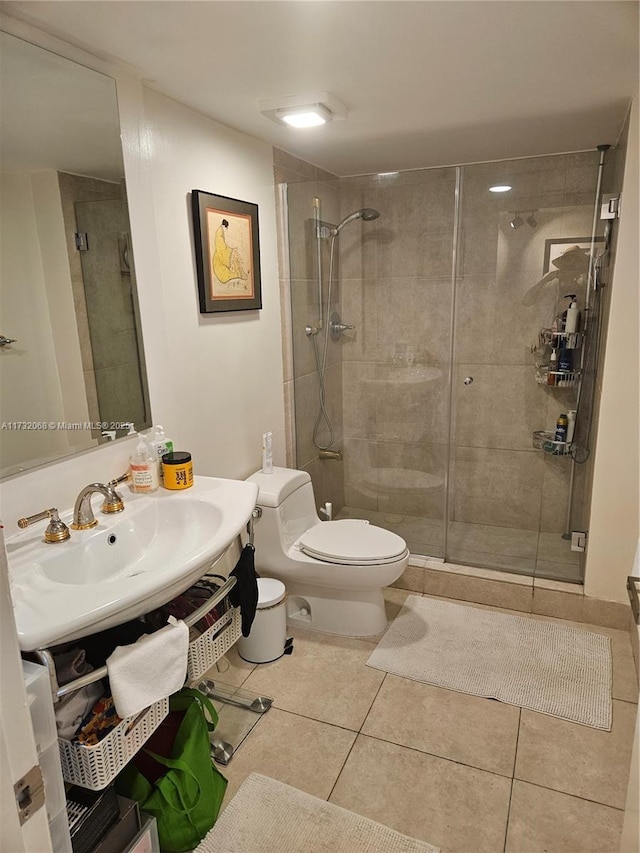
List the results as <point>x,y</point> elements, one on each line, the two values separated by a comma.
<point>301,183</point>
<point>390,376</point>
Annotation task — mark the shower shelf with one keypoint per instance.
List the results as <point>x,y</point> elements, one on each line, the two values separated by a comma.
<point>561,378</point>
<point>545,440</point>
<point>560,340</point>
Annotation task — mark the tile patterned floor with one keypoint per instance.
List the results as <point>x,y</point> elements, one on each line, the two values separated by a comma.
<point>467,774</point>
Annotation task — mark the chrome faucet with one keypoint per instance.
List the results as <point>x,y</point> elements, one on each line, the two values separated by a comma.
<point>83,517</point>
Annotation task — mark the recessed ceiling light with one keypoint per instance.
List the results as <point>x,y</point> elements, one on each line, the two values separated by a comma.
<point>309,115</point>
<point>500,188</point>
<point>310,110</point>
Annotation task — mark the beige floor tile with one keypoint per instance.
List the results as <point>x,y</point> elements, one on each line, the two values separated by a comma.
<point>454,807</point>
<point>578,760</point>
<point>544,821</point>
<point>303,753</point>
<point>325,678</point>
<point>230,669</point>
<point>468,729</point>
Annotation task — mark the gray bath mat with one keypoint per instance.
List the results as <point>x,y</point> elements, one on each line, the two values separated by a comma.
<point>554,669</point>
<point>267,816</point>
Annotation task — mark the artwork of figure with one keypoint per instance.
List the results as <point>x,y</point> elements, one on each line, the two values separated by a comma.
<point>227,263</point>
<point>230,254</point>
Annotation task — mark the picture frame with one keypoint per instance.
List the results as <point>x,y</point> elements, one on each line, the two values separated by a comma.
<point>227,251</point>
<point>554,248</point>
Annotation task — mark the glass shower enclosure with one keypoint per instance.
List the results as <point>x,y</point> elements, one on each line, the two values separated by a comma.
<point>426,381</point>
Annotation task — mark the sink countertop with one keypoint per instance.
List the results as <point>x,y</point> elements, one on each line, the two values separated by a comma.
<point>164,542</point>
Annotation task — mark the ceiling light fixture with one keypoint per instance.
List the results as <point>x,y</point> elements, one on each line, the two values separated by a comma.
<point>309,115</point>
<point>531,219</point>
<point>299,111</point>
<point>517,221</point>
<point>500,188</point>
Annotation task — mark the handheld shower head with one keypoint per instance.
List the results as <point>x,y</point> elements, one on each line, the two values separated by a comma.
<point>365,213</point>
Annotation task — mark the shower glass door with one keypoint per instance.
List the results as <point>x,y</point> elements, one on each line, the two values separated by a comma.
<point>396,288</point>
<point>387,381</point>
<point>508,500</point>
<point>435,390</point>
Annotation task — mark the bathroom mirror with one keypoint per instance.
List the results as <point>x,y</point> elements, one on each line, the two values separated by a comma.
<point>73,375</point>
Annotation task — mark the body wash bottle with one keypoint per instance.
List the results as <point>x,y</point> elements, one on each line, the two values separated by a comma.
<point>144,469</point>
<point>159,445</point>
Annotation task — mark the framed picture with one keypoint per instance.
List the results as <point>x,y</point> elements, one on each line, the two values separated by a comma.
<point>227,253</point>
<point>553,249</point>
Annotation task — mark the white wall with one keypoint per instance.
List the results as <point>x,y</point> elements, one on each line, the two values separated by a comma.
<point>224,383</point>
<point>615,502</point>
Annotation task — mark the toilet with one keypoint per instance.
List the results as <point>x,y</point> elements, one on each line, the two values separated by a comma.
<point>334,571</point>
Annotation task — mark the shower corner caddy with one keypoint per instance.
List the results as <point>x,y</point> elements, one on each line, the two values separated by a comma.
<point>94,767</point>
<point>545,440</point>
<point>557,340</point>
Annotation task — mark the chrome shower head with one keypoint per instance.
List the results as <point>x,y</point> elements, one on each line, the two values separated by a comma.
<point>365,213</point>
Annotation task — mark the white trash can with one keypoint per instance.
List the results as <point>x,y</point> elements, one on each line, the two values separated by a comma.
<point>266,640</point>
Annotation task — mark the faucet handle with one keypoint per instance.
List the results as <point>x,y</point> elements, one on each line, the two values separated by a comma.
<point>114,501</point>
<point>57,530</point>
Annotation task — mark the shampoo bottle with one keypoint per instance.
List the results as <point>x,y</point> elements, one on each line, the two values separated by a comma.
<point>143,468</point>
<point>571,416</point>
<point>573,315</point>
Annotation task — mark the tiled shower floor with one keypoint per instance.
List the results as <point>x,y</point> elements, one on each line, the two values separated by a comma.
<point>467,774</point>
<point>485,546</point>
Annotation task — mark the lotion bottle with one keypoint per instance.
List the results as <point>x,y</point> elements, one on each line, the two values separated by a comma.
<point>571,322</point>
<point>143,468</point>
<point>159,445</point>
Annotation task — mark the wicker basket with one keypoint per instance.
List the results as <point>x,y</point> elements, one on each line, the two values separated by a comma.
<point>94,767</point>
<point>215,642</point>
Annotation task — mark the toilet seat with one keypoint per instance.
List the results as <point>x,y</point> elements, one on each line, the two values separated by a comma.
<point>353,542</point>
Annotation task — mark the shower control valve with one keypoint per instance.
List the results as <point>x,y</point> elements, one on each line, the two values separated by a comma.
<point>337,326</point>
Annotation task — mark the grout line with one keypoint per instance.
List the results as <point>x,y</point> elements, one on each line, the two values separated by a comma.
<point>566,794</point>
<point>513,777</point>
<point>356,737</point>
<point>435,755</point>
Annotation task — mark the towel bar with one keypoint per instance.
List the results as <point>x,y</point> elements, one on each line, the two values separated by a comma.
<point>46,658</point>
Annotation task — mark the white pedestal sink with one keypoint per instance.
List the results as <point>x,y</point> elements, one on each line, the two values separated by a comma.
<point>129,564</point>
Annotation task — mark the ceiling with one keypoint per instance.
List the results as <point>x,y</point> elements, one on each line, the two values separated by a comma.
<point>425,83</point>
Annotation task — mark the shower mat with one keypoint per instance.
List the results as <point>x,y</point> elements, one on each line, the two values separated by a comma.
<point>554,669</point>
<point>266,816</point>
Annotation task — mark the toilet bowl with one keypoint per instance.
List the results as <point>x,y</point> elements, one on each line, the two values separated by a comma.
<point>334,571</point>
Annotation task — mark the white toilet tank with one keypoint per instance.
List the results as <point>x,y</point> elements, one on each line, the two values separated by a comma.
<point>288,508</point>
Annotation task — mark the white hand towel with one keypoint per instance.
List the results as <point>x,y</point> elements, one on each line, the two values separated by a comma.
<point>148,670</point>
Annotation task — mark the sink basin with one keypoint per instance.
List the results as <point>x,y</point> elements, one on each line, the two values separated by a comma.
<point>129,564</point>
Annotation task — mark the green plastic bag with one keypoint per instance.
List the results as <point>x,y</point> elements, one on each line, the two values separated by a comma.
<point>185,800</point>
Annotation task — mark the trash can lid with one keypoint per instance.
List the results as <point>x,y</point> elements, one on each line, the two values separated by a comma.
<point>270,592</point>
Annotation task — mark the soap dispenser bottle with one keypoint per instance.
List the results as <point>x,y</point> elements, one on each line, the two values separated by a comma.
<point>143,468</point>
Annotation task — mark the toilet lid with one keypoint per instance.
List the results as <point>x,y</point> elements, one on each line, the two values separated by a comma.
<point>353,542</point>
